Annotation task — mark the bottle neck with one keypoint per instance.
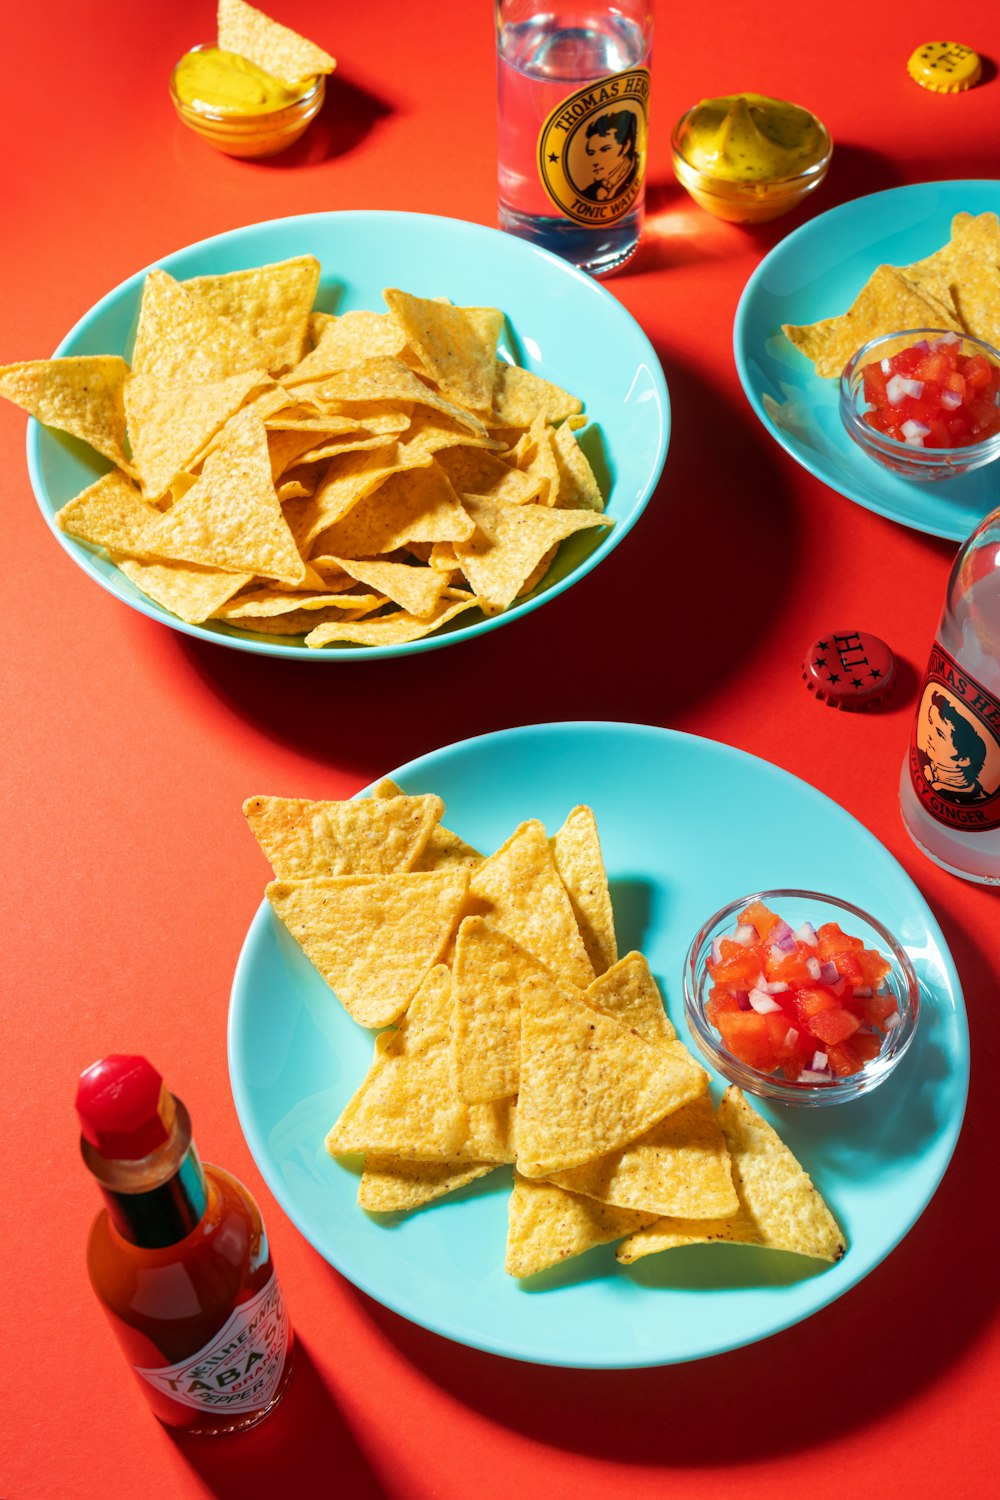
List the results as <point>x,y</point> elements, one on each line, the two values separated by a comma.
<point>158,1200</point>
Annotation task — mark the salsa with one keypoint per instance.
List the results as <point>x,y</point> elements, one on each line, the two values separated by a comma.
<point>931,395</point>
<point>808,1004</point>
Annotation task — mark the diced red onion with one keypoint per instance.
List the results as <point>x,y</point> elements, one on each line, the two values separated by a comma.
<point>950,400</point>
<point>744,935</point>
<point>807,934</point>
<point>716,950</point>
<point>809,1075</point>
<point>815,968</point>
<point>742,999</point>
<point>862,992</point>
<point>829,973</point>
<point>762,1003</point>
<point>775,987</point>
<point>791,1037</point>
<point>899,386</point>
<point>946,338</point>
<point>892,1021</point>
<point>887,367</point>
<point>923,345</point>
<point>914,432</point>
<point>780,932</point>
<point>819,1062</point>
<point>839,989</point>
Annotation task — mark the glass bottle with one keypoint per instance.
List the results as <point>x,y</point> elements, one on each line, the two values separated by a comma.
<point>572,114</point>
<point>949,790</point>
<point>179,1258</point>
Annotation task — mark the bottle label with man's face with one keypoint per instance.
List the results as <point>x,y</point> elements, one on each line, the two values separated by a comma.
<point>592,149</point>
<point>955,748</point>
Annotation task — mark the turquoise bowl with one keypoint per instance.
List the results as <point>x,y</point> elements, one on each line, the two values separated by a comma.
<point>559,323</point>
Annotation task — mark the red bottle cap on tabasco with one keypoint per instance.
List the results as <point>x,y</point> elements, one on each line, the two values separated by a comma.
<point>125,1108</point>
<point>849,669</point>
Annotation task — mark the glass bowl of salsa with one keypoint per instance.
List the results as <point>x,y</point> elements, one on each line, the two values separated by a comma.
<point>924,402</point>
<point>800,997</point>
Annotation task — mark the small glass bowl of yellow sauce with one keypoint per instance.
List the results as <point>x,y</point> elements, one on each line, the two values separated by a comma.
<point>748,158</point>
<point>237,107</point>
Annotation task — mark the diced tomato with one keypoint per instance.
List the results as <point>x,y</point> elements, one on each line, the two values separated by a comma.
<point>874,968</point>
<point>940,367</point>
<point>977,372</point>
<point>877,1009</point>
<point>810,1002</point>
<point>789,968</point>
<point>760,918</point>
<point>748,1037</point>
<point>741,971</point>
<point>873,380</point>
<point>831,942</point>
<point>833,1026</point>
<point>719,1001</point>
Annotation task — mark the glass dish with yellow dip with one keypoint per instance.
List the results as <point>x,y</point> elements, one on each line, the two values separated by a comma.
<point>749,158</point>
<point>237,107</point>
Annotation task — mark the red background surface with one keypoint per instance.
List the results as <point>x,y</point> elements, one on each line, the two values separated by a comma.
<point>129,748</point>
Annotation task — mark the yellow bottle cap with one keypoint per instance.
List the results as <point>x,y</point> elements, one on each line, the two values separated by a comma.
<point>945,67</point>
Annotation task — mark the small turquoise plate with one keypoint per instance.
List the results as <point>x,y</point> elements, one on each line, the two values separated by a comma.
<point>560,323</point>
<point>816,273</point>
<point>686,824</point>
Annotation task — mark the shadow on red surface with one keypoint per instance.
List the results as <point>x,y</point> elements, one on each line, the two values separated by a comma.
<point>304,1442</point>
<point>647,634</point>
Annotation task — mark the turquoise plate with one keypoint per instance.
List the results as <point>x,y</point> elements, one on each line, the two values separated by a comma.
<point>686,824</point>
<point>560,323</point>
<point>816,273</point>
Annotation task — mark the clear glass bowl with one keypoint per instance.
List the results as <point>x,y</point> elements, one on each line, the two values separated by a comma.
<point>744,202</point>
<point>910,462</point>
<point>251,135</point>
<point>797,907</point>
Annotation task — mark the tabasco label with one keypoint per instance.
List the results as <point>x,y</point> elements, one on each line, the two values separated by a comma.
<point>592,148</point>
<point>239,1369</point>
<point>955,748</point>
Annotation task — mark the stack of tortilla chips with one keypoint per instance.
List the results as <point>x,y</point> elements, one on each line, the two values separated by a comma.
<point>519,1037</point>
<point>362,479</point>
<point>957,288</point>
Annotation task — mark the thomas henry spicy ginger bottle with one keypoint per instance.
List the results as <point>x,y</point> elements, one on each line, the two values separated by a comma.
<point>179,1258</point>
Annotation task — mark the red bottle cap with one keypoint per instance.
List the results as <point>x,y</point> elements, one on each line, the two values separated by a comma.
<point>125,1107</point>
<point>849,669</point>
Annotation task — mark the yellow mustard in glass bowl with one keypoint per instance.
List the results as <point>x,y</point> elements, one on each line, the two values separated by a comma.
<point>748,158</point>
<point>238,108</point>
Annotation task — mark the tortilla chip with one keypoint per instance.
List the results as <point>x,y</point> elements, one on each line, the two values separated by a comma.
<point>589,1085</point>
<point>886,303</point>
<point>510,541</point>
<point>410,505</point>
<point>578,488</point>
<point>418,590</point>
<point>457,346</point>
<point>780,1208</point>
<point>305,840</point>
<point>192,594</point>
<point>629,992</point>
<point>519,889</point>
<point>391,1184</point>
<point>389,630</point>
<point>232,518</point>
<point>109,513</point>
<point>82,395</point>
<point>171,421</point>
<point>346,482</point>
<point>270,304</point>
<point>443,848</point>
<point>373,938</point>
<point>547,1225</point>
<point>179,337</point>
<point>519,396</point>
<point>349,340</point>
<point>576,849</point>
<point>477,471</point>
<point>275,48</point>
<point>386,379</point>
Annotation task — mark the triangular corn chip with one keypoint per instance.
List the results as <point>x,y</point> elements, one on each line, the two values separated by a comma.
<point>171,421</point>
<point>457,346</point>
<point>410,505</point>
<point>490,970</point>
<point>392,1184</point>
<point>386,379</point>
<point>389,630</point>
<point>305,840</point>
<point>271,304</point>
<point>519,889</point>
<point>443,848</point>
<point>275,48</point>
<point>576,849</point>
<point>477,471</point>
<point>578,488</point>
<point>629,992</point>
<point>349,340</point>
<point>887,302</point>
<point>546,1225</point>
<point>81,395</point>
<point>510,541</point>
<point>519,396</point>
<point>779,1208</point>
<point>588,1083</point>
<point>231,518</point>
<point>417,590</point>
<point>193,594</point>
<point>109,513</point>
<point>373,939</point>
<point>179,337</point>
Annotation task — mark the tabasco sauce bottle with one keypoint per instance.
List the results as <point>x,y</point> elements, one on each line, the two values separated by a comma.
<point>179,1258</point>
